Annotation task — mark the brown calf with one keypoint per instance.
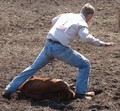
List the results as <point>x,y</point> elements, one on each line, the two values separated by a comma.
<point>45,88</point>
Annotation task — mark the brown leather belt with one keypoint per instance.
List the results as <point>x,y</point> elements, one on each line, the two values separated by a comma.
<point>53,41</point>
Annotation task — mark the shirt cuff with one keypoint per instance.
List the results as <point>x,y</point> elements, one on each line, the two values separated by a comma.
<point>102,43</point>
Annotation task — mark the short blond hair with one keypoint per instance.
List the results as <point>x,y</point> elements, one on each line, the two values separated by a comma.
<point>87,9</point>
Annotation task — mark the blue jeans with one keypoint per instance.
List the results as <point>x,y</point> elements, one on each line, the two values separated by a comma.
<point>50,51</point>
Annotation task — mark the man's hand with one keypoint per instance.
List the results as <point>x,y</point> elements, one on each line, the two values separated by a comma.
<point>109,44</point>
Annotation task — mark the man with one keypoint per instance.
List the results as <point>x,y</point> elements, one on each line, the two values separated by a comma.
<point>66,28</point>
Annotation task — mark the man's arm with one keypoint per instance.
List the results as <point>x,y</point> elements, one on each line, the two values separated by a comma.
<point>54,20</point>
<point>86,37</point>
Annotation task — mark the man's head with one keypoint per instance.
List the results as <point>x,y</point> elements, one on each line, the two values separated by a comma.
<point>88,11</point>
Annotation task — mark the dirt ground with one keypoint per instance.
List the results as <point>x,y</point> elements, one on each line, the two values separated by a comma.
<point>24,25</point>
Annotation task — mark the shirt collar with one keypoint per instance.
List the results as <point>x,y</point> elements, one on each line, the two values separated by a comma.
<point>83,16</point>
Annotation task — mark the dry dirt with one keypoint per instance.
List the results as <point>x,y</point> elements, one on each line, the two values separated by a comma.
<point>23,28</point>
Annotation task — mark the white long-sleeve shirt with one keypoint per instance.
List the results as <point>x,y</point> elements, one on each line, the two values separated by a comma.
<point>68,26</point>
